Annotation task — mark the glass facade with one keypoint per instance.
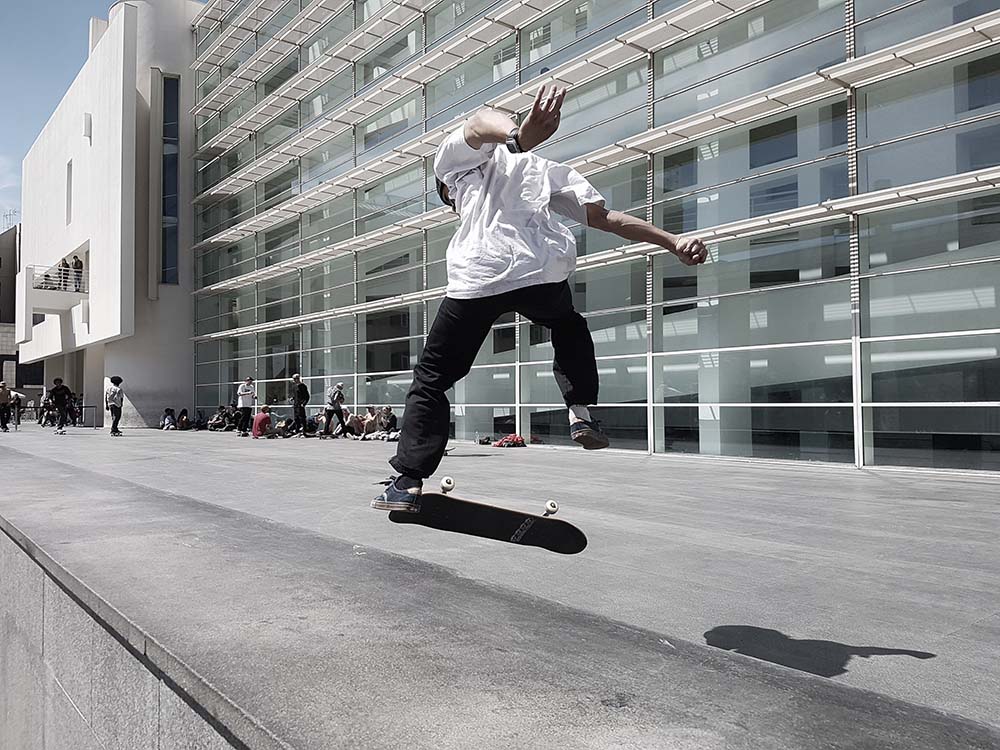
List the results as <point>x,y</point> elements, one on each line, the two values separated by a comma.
<point>869,337</point>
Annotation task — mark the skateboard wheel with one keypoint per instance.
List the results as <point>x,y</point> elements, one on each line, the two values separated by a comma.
<point>447,484</point>
<point>551,508</point>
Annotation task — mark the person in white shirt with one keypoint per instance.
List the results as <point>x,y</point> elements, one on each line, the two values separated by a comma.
<point>246,398</point>
<point>509,254</point>
<point>114,399</point>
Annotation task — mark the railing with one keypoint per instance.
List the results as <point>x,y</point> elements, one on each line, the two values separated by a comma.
<point>60,278</point>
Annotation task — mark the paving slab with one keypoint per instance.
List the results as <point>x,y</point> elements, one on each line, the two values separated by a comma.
<point>326,643</point>
<point>905,561</point>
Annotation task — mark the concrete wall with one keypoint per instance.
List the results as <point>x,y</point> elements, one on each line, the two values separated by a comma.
<point>66,683</point>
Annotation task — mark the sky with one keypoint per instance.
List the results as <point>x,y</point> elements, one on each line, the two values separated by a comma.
<point>44,46</point>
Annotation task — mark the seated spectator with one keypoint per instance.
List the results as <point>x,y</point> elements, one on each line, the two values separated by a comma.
<point>371,421</point>
<point>169,420</point>
<point>183,420</point>
<point>355,424</point>
<point>218,420</point>
<point>200,422</point>
<point>387,420</point>
<point>232,417</point>
<point>263,427</point>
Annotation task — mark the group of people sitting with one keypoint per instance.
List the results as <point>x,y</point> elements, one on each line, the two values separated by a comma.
<point>182,421</point>
<point>377,424</point>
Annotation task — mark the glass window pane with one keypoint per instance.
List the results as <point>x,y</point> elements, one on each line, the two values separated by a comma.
<point>933,234</point>
<point>384,58</point>
<point>325,162</point>
<point>795,315</point>
<point>617,285</point>
<point>329,361</point>
<point>790,375</point>
<point>485,385</point>
<point>962,298</point>
<point>451,14</point>
<point>399,322</point>
<point>622,381</point>
<point>332,332</point>
<point>801,255</point>
<point>941,154</point>
<point>615,333</point>
<point>625,426</point>
<point>390,356</point>
<point>385,389</point>
<point>498,347</point>
<point>799,433</point>
<point>929,97</point>
<point>937,437</point>
<point>722,52</point>
<point>916,19</point>
<point>468,422</point>
<point>957,368</point>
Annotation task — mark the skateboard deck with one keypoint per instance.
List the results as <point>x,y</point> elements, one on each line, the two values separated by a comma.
<point>450,513</point>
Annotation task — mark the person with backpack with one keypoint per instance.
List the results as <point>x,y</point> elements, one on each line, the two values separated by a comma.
<point>335,399</point>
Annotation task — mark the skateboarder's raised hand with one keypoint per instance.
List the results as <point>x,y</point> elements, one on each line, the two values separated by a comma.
<point>542,121</point>
<point>489,126</point>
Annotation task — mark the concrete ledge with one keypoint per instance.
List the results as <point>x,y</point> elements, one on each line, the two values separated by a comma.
<point>236,631</point>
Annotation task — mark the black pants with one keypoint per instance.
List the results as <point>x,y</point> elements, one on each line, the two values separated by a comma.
<point>458,332</point>
<point>4,416</point>
<point>245,419</point>
<point>63,410</point>
<point>116,416</point>
<point>330,411</point>
<point>299,413</point>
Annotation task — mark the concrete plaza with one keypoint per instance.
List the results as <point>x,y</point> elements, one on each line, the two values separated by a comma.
<point>880,580</point>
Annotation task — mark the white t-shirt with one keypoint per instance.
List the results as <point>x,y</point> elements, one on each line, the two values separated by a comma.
<point>246,395</point>
<point>508,237</point>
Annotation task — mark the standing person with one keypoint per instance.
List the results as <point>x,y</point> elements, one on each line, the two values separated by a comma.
<point>61,396</point>
<point>246,399</point>
<point>509,254</point>
<point>8,400</point>
<point>114,399</point>
<point>335,399</point>
<point>64,272</point>
<point>77,273</point>
<point>300,397</point>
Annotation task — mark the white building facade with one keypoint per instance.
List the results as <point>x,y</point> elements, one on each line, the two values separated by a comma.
<point>106,185</point>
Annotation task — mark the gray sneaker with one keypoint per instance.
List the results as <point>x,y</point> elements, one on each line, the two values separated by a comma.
<point>394,498</point>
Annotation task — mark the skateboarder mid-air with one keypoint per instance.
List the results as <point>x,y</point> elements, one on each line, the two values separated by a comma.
<point>509,254</point>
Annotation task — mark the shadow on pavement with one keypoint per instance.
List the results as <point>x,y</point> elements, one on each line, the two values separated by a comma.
<point>824,658</point>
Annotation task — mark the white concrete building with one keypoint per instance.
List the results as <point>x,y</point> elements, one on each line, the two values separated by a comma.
<point>108,181</point>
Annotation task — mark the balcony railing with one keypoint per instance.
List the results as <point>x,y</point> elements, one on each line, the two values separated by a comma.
<point>60,279</point>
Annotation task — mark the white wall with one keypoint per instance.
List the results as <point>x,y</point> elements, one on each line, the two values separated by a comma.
<point>103,189</point>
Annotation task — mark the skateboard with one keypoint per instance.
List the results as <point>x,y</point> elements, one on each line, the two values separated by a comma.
<point>447,513</point>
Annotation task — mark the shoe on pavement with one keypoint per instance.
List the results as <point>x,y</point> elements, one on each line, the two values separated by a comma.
<point>589,435</point>
<point>396,498</point>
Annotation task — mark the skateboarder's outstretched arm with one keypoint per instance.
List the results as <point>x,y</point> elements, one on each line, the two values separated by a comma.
<point>689,250</point>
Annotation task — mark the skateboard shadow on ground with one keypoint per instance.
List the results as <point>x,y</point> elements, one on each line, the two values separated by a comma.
<point>824,658</point>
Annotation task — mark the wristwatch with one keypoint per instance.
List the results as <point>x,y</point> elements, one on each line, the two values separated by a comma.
<point>513,144</point>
